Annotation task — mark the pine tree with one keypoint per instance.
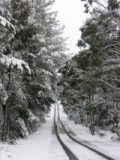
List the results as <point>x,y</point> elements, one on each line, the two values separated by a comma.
<point>93,75</point>
<point>31,48</point>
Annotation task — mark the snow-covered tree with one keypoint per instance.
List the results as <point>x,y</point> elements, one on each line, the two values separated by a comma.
<point>93,75</point>
<point>31,47</point>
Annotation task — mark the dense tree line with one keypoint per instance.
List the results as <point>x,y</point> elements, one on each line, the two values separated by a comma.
<point>31,49</point>
<point>90,83</point>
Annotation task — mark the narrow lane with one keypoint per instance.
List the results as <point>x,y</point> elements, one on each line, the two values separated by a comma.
<point>68,151</point>
<point>81,133</point>
<point>81,152</point>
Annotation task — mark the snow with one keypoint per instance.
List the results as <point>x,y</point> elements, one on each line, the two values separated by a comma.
<point>31,55</point>
<point>80,151</point>
<point>43,71</point>
<point>44,50</point>
<point>14,62</point>
<point>4,22</point>
<point>24,130</point>
<point>42,145</point>
<point>41,39</point>
<point>104,144</point>
<point>3,93</point>
<point>32,117</point>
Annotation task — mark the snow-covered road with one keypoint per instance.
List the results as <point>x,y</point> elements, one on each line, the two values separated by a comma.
<point>43,145</point>
<point>103,144</point>
<point>80,151</point>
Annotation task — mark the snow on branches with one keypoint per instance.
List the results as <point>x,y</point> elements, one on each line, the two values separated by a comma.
<point>14,63</point>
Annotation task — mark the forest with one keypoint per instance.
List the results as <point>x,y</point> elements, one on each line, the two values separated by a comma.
<point>31,50</point>
<point>90,81</point>
<point>35,71</point>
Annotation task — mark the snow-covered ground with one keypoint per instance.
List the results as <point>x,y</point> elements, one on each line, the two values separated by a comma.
<point>43,145</point>
<point>80,151</point>
<point>104,144</point>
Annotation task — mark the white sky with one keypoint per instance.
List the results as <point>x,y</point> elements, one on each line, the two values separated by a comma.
<point>71,14</point>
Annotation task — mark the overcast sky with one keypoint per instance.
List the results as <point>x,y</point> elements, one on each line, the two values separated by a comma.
<point>71,14</point>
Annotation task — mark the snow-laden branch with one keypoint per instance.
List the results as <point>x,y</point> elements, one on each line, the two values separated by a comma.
<point>115,44</point>
<point>14,63</point>
<point>46,72</point>
<point>111,86</point>
<point>5,23</point>
<point>100,4</point>
<point>111,67</point>
<point>112,61</point>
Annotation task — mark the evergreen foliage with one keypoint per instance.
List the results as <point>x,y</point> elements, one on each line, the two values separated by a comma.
<point>30,49</point>
<point>90,81</point>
